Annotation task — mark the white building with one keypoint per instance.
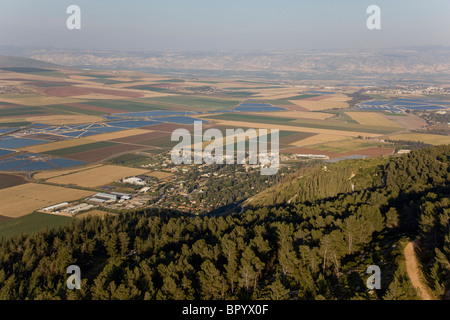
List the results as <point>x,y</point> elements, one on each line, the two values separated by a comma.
<point>134,180</point>
<point>56,206</point>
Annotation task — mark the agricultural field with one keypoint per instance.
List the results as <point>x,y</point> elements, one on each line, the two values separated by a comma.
<point>55,173</point>
<point>299,115</point>
<point>9,180</point>
<point>81,148</point>
<point>31,223</point>
<point>303,123</point>
<point>196,102</point>
<point>96,177</point>
<point>105,152</point>
<point>57,145</point>
<point>317,139</point>
<point>433,139</point>
<point>338,101</point>
<point>159,174</point>
<point>118,134</point>
<point>372,119</point>
<point>26,198</point>
<point>93,213</point>
<point>296,127</point>
<point>345,146</point>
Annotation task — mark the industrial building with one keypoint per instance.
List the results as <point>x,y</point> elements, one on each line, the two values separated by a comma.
<point>56,206</point>
<point>312,156</point>
<point>103,197</point>
<point>78,208</point>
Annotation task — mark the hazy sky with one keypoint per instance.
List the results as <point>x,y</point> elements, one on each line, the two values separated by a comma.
<point>224,24</point>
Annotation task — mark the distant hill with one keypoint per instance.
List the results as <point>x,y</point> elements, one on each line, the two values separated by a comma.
<point>8,61</point>
<point>423,63</point>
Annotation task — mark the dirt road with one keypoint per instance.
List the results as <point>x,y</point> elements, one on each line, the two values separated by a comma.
<point>414,272</point>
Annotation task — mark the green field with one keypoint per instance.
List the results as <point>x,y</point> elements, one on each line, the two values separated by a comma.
<point>303,96</point>
<point>252,118</point>
<point>14,124</point>
<point>306,123</point>
<point>239,94</point>
<point>126,105</point>
<point>62,109</point>
<point>81,148</point>
<point>288,137</point>
<point>21,111</point>
<point>149,88</point>
<point>108,81</point>
<point>32,223</point>
<point>346,145</point>
<point>197,102</point>
<point>129,160</point>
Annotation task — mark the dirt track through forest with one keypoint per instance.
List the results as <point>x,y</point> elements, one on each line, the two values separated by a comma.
<point>414,272</point>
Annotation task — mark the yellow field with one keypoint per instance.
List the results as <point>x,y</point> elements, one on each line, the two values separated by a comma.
<point>334,101</point>
<point>433,139</point>
<point>276,93</point>
<point>319,138</point>
<point>159,174</point>
<point>372,118</point>
<point>204,144</point>
<point>345,145</point>
<point>26,198</point>
<point>98,176</point>
<point>57,145</point>
<point>298,114</point>
<point>98,96</point>
<point>37,100</point>
<point>56,173</point>
<point>59,120</point>
<point>118,134</point>
<point>65,119</point>
<point>93,213</point>
<point>255,125</point>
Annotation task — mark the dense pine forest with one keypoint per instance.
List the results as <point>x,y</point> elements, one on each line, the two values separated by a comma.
<point>310,237</point>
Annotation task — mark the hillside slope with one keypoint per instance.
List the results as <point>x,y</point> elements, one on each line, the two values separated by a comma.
<point>9,61</point>
<point>312,249</point>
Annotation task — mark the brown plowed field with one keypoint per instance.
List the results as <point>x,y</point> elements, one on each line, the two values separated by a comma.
<point>144,138</point>
<point>104,153</point>
<point>168,127</point>
<point>9,180</point>
<point>295,107</point>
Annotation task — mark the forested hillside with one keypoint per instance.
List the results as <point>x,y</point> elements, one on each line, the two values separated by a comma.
<point>313,238</point>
